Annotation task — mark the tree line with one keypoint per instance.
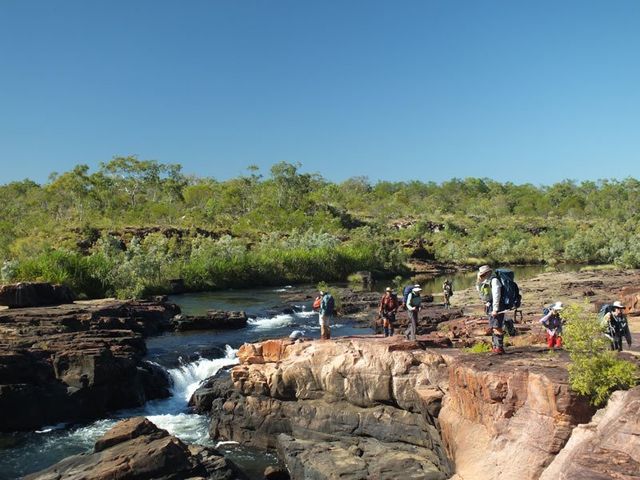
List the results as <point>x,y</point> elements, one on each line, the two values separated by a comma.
<point>289,226</point>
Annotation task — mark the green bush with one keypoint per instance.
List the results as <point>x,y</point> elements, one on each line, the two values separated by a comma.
<point>595,371</point>
<point>479,347</point>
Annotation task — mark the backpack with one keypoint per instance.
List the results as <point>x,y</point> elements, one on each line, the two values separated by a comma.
<point>330,304</point>
<point>510,295</point>
<point>604,309</point>
<point>405,293</point>
<point>448,289</point>
<point>316,303</point>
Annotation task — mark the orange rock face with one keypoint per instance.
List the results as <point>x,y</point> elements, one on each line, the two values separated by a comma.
<point>507,417</point>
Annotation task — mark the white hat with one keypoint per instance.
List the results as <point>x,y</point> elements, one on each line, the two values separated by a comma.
<point>417,285</point>
<point>388,289</point>
<point>484,269</point>
<point>617,304</point>
<point>416,289</point>
<point>557,306</point>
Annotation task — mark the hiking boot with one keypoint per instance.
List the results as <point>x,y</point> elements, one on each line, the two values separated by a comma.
<point>497,350</point>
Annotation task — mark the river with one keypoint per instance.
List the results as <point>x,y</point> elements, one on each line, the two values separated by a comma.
<point>190,358</point>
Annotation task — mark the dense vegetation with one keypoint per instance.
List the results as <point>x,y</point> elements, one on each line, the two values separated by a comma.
<point>595,371</point>
<point>291,226</point>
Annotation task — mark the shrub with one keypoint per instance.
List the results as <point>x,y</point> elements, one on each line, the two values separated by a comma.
<point>594,371</point>
<point>479,347</point>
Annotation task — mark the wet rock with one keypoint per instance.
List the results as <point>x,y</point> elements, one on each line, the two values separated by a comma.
<point>219,386</point>
<point>32,294</point>
<point>214,320</point>
<point>136,448</point>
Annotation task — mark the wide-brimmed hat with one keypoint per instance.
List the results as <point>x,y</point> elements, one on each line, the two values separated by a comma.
<point>617,304</point>
<point>483,270</point>
<point>557,306</point>
<point>416,289</point>
<point>388,289</point>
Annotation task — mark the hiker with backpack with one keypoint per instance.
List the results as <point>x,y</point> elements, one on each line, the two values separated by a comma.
<point>616,325</point>
<point>447,291</point>
<point>413,303</point>
<point>500,293</point>
<point>387,310</point>
<point>327,309</point>
<point>552,323</point>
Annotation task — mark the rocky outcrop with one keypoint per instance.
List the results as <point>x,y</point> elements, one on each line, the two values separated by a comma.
<point>33,294</point>
<point>607,447</point>
<point>431,411</point>
<point>137,449</point>
<point>351,398</point>
<point>214,320</point>
<point>78,361</point>
<point>508,416</point>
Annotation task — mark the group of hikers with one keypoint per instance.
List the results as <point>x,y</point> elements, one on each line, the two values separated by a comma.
<point>499,293</point>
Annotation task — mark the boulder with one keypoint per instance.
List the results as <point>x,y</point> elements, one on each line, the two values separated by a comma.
<point>34,294</point>
<point>360,459</point>
<point>136,449</point>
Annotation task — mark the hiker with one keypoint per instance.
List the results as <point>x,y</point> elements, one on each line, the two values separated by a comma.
<point>387,310</point>
<point>413,308</point>
<point>447,291</point>
<point>489,288</point>
<point>327,307</point>
<point>552,323</point>
<point>617,326</point>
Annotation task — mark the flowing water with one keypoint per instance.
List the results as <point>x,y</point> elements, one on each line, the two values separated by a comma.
<point>190,358</point>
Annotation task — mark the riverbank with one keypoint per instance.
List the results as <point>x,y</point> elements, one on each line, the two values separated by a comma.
<point>371,387</point>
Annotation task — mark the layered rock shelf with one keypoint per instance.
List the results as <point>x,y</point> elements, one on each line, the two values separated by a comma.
<point>364,407</point>
<point>77,361</point>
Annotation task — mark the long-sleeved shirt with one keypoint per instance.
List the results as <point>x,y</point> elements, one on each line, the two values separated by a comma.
<point>490,291</point>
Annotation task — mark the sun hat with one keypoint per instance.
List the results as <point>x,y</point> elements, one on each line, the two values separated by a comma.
<point>484,269</point>
<point>416,289</point>
<point>557,306</point>
<point>617,304</point>
<point>388,289</point>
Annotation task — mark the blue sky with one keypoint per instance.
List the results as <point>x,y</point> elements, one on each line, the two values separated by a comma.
<point>520,91</point>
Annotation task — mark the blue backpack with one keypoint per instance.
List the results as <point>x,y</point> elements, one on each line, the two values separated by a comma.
<point>405,293</point>
<point>510,296</point>
<point>604,309</point>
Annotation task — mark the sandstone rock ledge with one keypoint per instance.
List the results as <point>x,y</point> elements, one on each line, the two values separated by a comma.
<point>77,361</point>
<point>361,408</point>
<point>136,448</point>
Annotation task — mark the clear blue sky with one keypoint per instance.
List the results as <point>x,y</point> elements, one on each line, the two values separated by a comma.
<point>521,91</point>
